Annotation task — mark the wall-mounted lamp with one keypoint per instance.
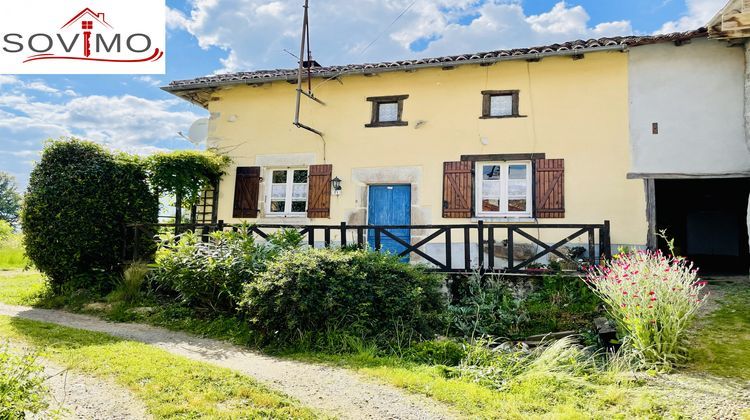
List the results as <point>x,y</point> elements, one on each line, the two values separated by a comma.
<point>336,186</point>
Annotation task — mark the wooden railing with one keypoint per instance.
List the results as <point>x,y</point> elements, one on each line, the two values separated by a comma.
<point>474,244</point>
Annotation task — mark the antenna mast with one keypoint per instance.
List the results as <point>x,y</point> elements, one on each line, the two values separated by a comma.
<point>305,48</point>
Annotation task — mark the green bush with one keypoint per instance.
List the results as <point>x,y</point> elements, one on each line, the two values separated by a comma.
<point>128,288</point>
<point>437,352</point>
<point>366,294</point>
<point>79,201</point>
<point>210,275</point>
<point>22,389</point>
<point>5,230</point>
<point>488,307</point>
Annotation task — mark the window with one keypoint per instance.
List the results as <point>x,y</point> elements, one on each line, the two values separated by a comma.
<point>504,189</point>
<point>288,192</point>
<point>387,111</point>
<point>500,104</point>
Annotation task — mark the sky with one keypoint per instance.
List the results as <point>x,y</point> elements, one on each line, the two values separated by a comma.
<point>130,113</point>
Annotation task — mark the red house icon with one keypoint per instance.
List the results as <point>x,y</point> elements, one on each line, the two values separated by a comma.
<point>87,25</point>
<point>88,13</point>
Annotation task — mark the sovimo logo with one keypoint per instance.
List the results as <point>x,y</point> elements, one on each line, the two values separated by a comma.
<point>115,37</point>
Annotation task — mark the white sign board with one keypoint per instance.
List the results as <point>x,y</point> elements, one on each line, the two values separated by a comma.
<point>82,37</point>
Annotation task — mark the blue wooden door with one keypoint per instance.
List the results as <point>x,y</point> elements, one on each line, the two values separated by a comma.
<point>389,205</point>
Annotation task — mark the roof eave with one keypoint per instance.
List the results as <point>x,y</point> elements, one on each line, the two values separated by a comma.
<point>376,70</point>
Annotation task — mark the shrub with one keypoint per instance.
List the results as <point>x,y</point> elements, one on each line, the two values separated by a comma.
<point>654,299</point>
<point>79,200</point>
<point>22,389</point>
<point>366,294</point>
<point>437,352</point>
<point>210,275</point>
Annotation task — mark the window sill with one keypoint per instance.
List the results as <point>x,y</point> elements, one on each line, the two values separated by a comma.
<point>503,219</point>
<point>387,124</point>
<point>291,218</point>
<point>501,117</point>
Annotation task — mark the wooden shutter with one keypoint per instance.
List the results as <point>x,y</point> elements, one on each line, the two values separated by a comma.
<point>319,191</point>
<point>550,188</point>
<point>457,189</point>
<point>246,187</point>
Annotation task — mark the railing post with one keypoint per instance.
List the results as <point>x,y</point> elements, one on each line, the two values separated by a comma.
<point>480,244</point>
<point>448,249</point>
<point>511,263</point>
<point>177,214</point>
<point>377,239</point>
<point>467,250</point>
<point>311,236</point>
<point>327,236</point>
<point>343,234</point>
<point>135,243</point>
<point>220,227</point>
<point>592,257</point>
<point>605,246</point>
<point>490,248</point>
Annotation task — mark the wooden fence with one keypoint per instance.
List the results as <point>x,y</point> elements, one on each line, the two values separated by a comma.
<point>474,243</point>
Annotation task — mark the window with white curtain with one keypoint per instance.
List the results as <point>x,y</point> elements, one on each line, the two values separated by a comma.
<point>503,189</point>
<point>287,193</point>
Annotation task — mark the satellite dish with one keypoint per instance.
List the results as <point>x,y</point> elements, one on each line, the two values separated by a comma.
<point>198,132</point>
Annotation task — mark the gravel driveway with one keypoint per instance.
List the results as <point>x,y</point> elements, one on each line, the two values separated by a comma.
<point>332,390</point>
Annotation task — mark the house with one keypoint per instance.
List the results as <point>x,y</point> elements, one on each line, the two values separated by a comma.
<point>530,136</point>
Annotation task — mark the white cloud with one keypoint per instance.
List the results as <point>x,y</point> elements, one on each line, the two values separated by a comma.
<point>149,80</point>
<point>698,14</point>
<point>254,33</point>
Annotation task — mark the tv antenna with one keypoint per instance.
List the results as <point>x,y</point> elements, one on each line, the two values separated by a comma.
<point>305,64</point>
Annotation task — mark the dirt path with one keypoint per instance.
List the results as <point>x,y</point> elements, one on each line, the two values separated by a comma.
<point>337,391</point>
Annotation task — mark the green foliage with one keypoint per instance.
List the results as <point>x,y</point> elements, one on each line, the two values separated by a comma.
<point>128,289</point>
<point>437,352</point>
<point>79,201</point>
<point>210,276</point>
<point>10,199</point>
<point>185,173</point>
<point>488,307</point>
<point>366,294</point>
<point>654,298</point>
<point>5,231</point>
<point>22,389</point>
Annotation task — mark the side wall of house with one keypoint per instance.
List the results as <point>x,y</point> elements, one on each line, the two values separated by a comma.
<point>694,93</point>
<point>575,110</point>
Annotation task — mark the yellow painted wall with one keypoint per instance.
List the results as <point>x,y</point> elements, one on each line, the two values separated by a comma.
<point>577,110</point>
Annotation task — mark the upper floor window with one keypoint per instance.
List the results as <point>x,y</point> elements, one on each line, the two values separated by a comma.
<point>387,111</point>
<point>504,189</point>
<point>500,104</point>
<point>288,193</point>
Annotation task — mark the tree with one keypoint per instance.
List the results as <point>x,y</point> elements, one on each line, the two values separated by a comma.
<point>10,199</point>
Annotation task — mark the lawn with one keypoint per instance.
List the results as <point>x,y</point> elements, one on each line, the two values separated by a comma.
<point>722,344</point>
<point>170,386</point>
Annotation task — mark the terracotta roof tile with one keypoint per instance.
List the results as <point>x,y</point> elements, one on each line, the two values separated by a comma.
<point>579,46</point>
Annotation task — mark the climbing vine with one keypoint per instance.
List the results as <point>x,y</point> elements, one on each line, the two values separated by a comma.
<point>185,173</point>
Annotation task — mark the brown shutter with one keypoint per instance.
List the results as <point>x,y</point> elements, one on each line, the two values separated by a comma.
<point>319,193</point>
<point>246,187</point>
<point>550,188</point>
<point>457,189</point>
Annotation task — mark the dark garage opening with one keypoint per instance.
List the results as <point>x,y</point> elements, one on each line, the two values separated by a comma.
<point>708,220</point>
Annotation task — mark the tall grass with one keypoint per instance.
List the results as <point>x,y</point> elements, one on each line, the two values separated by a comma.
<point>128,289</point>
